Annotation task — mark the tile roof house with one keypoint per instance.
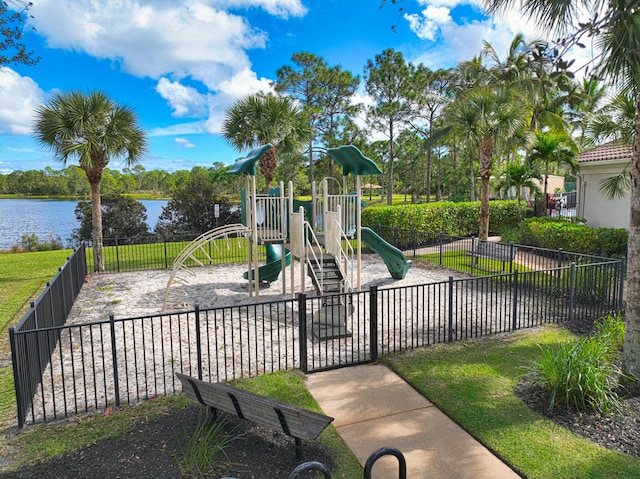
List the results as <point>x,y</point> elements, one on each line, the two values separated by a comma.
<point>597,164</point>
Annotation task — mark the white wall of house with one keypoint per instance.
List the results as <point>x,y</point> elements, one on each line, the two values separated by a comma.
<point>593,204</point>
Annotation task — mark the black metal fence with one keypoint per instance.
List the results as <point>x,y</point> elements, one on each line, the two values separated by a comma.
<point>122,254</point>
<point>448,250</point>
<point>31,353</point>
<point>128,360</point>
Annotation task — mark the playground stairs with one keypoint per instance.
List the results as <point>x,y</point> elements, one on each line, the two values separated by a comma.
<point>330,321</point>
<point>326,275</point>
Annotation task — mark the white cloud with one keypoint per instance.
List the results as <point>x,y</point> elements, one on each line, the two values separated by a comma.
<point>19,96</point>
<point>184,143</point>
<point>183,100</point>
<point>241,84</point>
<point>462,41</point>
<point>152,39</point>
<point>196,49</point>
<point>280,8</point>
<point>427,25</point>
<point>449,3</point>
<point>191,128</point>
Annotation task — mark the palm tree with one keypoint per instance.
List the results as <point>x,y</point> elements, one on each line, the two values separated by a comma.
<point>616,28</point>
<point>92,129</point>
<point>485,115</point>
<point>587,107</point>
<point>260,119</point>
<point>554,149</point>
<point>518,175</point>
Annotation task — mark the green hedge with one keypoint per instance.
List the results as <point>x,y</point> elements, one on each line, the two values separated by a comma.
<point>555,233</point>
<point>613,241</point>
<point>455,219</point>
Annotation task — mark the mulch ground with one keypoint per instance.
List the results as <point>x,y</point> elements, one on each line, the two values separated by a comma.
<point>149,452</point>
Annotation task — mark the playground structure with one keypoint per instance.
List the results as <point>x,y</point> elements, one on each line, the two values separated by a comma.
<point>324,236</point>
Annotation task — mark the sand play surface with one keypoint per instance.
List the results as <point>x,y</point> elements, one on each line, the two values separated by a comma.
<point>141,293</point>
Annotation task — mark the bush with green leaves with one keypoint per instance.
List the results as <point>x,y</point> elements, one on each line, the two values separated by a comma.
<point>570,234</point>
<point>583,375</point>
<point>31,242</point>
<point>123,217</point>
<point>554,233</point>
<point>456,219</point>
<point>201,453</point>
<point>613,241</point>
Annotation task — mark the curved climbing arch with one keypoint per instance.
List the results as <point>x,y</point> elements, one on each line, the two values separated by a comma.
<point>192,253</point>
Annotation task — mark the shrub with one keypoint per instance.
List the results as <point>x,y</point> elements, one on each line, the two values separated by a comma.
<point>582,375</point>
<point>199,451</point>
<point>31,242</point>
<point>557,233</point>
<point>455,219</point>
<point>613,241</point>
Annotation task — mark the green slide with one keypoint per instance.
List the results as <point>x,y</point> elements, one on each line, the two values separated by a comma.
<point>271,270</point>
<point>392,256</point>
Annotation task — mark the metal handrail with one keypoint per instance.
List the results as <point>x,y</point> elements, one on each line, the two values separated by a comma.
<point>345,256</point>
<point>309,246</point>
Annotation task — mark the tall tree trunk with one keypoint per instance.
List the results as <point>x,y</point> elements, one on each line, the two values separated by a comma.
<point>311,177</point>
<point>631,352</point>
<point>486,159</point>
<point>96,226</point>
<point>472,179</point>
<point>390,177</point>
<point>429,175</point>
<point>268,162</point>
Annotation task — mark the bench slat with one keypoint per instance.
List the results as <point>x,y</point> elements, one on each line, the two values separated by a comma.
<point>301,423</point>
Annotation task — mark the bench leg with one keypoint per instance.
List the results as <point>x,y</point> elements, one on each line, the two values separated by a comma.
<point>298,449</point>
<point>211,415</point>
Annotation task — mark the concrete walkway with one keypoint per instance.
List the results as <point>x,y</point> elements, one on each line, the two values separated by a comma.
<point>373,407</point>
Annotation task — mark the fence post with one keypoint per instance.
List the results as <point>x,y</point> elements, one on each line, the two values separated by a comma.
<point>473,253</point>
<point>514,308</point>
<point>415,241</point>
<point>114,359</point>
<point>441,240</point>
<point>450,333</point>
<point>17,379</point>
<point>621,288</point>
<point>302,327</point>
<point>198,341</point>
<point>166,259</point>
<point>117,256</point>
<point>572,288</point>
<point>512,256</point>
<point>373,321</point>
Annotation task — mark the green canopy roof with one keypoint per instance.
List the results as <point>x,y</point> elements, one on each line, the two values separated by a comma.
<point>247,165</point>
<point>353,161</point>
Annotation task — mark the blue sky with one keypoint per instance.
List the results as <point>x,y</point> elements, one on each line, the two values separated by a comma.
<point>181,64</point>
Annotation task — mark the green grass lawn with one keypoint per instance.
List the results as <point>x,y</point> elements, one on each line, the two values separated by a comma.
<point>474,384</point>
<point>23,276</point>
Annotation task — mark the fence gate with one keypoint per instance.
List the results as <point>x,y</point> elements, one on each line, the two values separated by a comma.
<point>337,330</point>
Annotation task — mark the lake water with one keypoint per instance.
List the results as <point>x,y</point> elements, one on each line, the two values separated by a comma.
<point>41,217</point>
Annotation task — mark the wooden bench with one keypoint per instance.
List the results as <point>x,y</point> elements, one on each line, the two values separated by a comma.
<point>497,251</point>
<point>291,420</point>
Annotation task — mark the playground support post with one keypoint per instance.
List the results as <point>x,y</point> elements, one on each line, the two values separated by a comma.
<point>358,233</point>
